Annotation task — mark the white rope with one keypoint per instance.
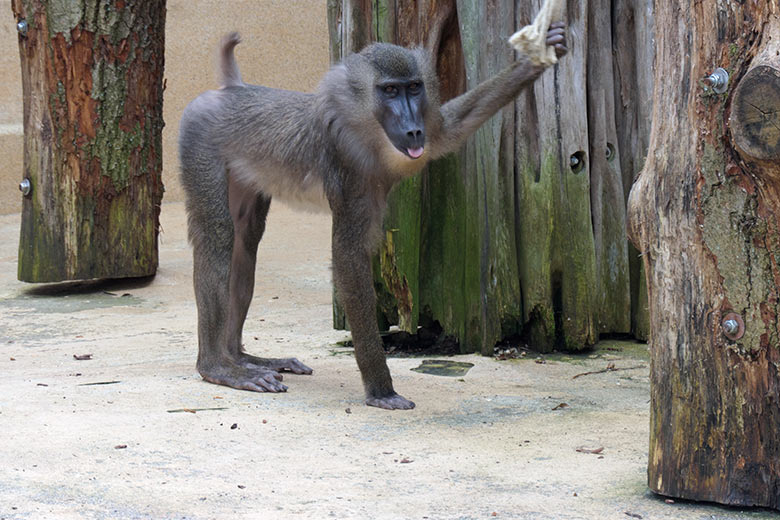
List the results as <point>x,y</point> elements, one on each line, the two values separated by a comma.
<point>531,40</point>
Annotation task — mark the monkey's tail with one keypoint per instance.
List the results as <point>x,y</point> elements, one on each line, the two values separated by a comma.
<point>229,74</point>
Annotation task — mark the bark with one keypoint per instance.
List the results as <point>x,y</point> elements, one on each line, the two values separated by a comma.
<point>705,213</point>
<point>92,85</point>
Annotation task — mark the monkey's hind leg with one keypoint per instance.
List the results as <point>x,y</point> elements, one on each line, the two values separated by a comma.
<point>248,212</point>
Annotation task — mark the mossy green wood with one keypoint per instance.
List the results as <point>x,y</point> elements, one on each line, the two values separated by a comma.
<point>555,237</point>
<point>92,85</point>
<point>491,296</point>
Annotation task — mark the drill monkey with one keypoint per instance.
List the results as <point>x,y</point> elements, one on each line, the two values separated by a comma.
<point>374,120</point>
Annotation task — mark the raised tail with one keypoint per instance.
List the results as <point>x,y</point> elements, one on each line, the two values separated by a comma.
<point>228,68</point>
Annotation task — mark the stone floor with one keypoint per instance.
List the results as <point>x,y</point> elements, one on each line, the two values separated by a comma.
<point>134,432</point>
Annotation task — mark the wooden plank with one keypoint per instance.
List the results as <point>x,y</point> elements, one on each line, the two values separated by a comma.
<point>608,211</point>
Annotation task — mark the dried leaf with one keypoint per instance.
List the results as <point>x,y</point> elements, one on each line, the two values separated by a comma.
<point>562,405</point>
<point>120,446</point>
<point>406,460</point>
<point>583,449</point>
<point>82,357</point>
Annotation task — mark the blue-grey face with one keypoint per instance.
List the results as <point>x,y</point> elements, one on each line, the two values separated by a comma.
<point>401,112</point>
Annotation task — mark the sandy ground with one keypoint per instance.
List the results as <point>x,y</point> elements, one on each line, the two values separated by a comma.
<point>135,433</point>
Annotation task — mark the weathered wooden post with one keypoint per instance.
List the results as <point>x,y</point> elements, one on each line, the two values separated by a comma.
<point>92,77</point>
<point>705,213</point>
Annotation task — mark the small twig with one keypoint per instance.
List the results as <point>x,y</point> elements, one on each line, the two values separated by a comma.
<point>610,368</point>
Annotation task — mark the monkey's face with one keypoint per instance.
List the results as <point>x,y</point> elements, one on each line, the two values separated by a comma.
<point>400,109</point>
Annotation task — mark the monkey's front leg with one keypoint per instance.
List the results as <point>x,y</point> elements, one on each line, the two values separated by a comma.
<point>354,289</point>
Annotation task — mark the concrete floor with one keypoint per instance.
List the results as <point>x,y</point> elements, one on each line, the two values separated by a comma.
<point>135,433</point>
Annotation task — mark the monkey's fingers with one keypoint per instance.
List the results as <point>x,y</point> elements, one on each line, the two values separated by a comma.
<point>555,37</point>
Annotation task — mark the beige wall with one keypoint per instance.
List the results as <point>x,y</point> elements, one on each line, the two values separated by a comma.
<point>284,45</point>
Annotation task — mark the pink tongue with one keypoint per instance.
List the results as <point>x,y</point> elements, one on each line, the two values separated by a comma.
<point>415,152</point>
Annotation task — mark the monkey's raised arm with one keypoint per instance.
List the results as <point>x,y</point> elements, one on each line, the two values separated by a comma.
<point>463,115</point>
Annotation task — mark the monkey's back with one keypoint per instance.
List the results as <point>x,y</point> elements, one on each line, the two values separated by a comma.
<point>266,139</point>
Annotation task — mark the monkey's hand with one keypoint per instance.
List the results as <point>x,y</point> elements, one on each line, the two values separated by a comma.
<point>556,38</point>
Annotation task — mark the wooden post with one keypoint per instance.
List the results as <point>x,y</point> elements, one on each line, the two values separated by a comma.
<point>92,85</point>
<point>705,213</point>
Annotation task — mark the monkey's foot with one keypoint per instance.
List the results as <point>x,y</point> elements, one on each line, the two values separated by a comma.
<point>390,402</point>
<point>255,379</point>
<point>275,364</point>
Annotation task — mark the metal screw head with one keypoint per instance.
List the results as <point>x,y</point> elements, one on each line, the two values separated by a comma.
<point>25,187</point>
<point>21,27</point>
<point>718,81</point>
<point>733,326</point>
<point>730,326</point>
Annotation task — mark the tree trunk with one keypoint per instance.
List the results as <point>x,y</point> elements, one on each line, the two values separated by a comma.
<point>92,84</point>
<point>705,212</point>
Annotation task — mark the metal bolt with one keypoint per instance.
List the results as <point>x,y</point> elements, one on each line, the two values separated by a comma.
<point>733,326</point>
<point>730,326</point>
<point>25,187</point>
<point>21,27</point>
<point>718,81</point>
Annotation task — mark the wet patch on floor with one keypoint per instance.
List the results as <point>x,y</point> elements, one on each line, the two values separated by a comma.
<point>443,367</point>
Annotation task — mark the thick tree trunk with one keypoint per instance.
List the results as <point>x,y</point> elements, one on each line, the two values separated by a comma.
<point>92,83</point>
<point>705,212</point>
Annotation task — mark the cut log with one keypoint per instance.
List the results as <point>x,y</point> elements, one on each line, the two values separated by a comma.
<point>706,218</point>
<point>92,84</point>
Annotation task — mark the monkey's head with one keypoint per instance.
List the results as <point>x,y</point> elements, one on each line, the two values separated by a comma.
<point>400,100</point>
<point>382,105</point>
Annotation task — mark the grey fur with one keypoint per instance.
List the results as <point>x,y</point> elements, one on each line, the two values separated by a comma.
<point>242,145</point>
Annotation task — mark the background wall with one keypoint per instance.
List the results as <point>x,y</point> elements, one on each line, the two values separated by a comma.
<point>285,45</point>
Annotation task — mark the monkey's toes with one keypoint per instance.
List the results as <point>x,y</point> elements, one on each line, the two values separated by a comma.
<point>243,378</point>
<point>391,402</point>
<point>295,366</point>
<point>278,365</point>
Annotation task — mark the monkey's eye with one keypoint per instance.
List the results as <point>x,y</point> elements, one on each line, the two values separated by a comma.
<point>415,87</point>
<point>390,90</point>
